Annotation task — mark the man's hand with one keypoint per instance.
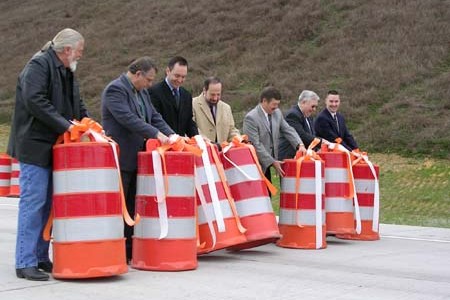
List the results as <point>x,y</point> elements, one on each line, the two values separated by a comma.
<point>277,165</point>
<point>301,148</point>
<point>162,138</point>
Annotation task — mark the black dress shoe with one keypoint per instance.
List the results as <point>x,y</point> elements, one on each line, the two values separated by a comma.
<point>32,273</point>
<point>45,266</point>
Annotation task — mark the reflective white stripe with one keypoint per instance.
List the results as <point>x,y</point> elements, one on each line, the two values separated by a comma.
<point>336,204</point>
<point>254,206</point>
<point>5,169</point>
<point>4,182</point>
<point>366,213</point>
<point>14,181</point>
<point>87,229</point>
<point>224,207</point>
<point>201,175</point>
<point>179,228</point>
<point>319,211</point>
<point>234,176</point>
<point>338,175</point>
<point>306,186</point>
<point>179,186</point>
<point>85,181</point>
<point>15,167</point>
<point>305,216</point>
<point>365,186</point>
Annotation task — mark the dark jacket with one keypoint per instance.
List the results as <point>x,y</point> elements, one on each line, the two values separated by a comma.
<point>121,120</point>
<point>326,128</point>
<point>42,110</point>
<point>297,120</point>
<point>179,119</point>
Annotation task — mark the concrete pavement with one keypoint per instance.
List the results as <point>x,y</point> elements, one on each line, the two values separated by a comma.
<point>407,263</point>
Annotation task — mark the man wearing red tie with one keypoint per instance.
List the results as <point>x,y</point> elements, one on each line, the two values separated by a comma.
<point>330,124</point>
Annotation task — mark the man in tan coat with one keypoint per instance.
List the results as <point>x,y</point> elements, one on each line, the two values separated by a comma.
<point>213,117</point>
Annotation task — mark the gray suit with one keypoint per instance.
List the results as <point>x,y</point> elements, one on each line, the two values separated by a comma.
<point>256,127</point>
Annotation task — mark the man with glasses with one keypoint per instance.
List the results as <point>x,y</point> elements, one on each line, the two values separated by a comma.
<point>129,117</point>
<point>300,118</point>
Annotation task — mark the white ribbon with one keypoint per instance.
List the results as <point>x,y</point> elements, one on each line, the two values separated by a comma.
<point>160,194</point>
<point>318,183</point>
<point>208,217</point>
<point>224,151</point>
<point>211,184</point>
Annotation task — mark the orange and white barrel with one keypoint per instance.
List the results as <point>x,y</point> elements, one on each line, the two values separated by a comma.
<point>219,226</point>
<point>250,193</point>
<point>302,207</point>
<point>5,174</point>
<point>341,203</point>
<point>87,211</point>
<point>165,238</point>
<point>367,188</point>
<point>14,189</point>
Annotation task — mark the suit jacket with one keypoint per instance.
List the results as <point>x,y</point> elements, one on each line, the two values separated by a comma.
<point>121,120</point>
<point>297,120</point>
<point>222,129</point>
<point>179,119</point>
<point>42,110</point>
<point>326,128</point>
<point>256,126</point>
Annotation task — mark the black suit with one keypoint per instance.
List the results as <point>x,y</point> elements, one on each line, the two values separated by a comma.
<point>179,119</point>
<point>297,120</point>
<point>325,127</point>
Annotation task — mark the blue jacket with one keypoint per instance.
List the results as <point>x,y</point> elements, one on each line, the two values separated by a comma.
<point>121,120</point>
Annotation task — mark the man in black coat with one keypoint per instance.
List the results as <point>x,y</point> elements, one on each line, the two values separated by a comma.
<point>47,98</point>
<point>330,124</point>
<point>129,117</point>
<point>173,101</point>
<point>300,117</point>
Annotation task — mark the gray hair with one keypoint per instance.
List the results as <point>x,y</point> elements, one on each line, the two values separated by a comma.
<point>65,38</point>
<point>306,96</point>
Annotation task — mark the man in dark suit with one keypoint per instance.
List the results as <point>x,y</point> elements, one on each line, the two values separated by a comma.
<point>174,102</point>
<point>129,117</point>
<point>330,124</point>
<point>300,118</point>
<point>264,125</point>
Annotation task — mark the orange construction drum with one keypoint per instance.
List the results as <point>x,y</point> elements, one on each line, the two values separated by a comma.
<point>165,238</point>
<point>87,211</point>
<point>302,209</point>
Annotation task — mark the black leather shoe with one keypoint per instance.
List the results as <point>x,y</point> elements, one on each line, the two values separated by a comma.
<point>32,273</point>
<point>46,266</point>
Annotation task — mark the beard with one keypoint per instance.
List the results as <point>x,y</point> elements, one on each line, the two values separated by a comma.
<point>73,62</point>
<point>73,65</point>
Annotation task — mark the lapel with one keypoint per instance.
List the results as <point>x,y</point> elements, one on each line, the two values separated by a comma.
<point>263,118</point>
<point>330,116</point>
<point>131,95</point>
<point>169,95</point>
<point>205,109</point>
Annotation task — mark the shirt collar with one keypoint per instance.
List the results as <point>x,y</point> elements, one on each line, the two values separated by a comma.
<point>168,83</point>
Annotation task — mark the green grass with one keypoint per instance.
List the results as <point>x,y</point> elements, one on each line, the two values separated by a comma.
<point>413,191</point>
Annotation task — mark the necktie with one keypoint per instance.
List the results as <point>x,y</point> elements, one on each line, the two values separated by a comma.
<point>176,94</point>
<point>272,150</point>
<point>309,125</point>
<point>336,121</point>
<point>211,107</point>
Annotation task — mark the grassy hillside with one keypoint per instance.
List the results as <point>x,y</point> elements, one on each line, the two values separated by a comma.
<point>389,59</point>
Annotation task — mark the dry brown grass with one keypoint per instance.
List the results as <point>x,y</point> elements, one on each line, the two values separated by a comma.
<point>390,59</point>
